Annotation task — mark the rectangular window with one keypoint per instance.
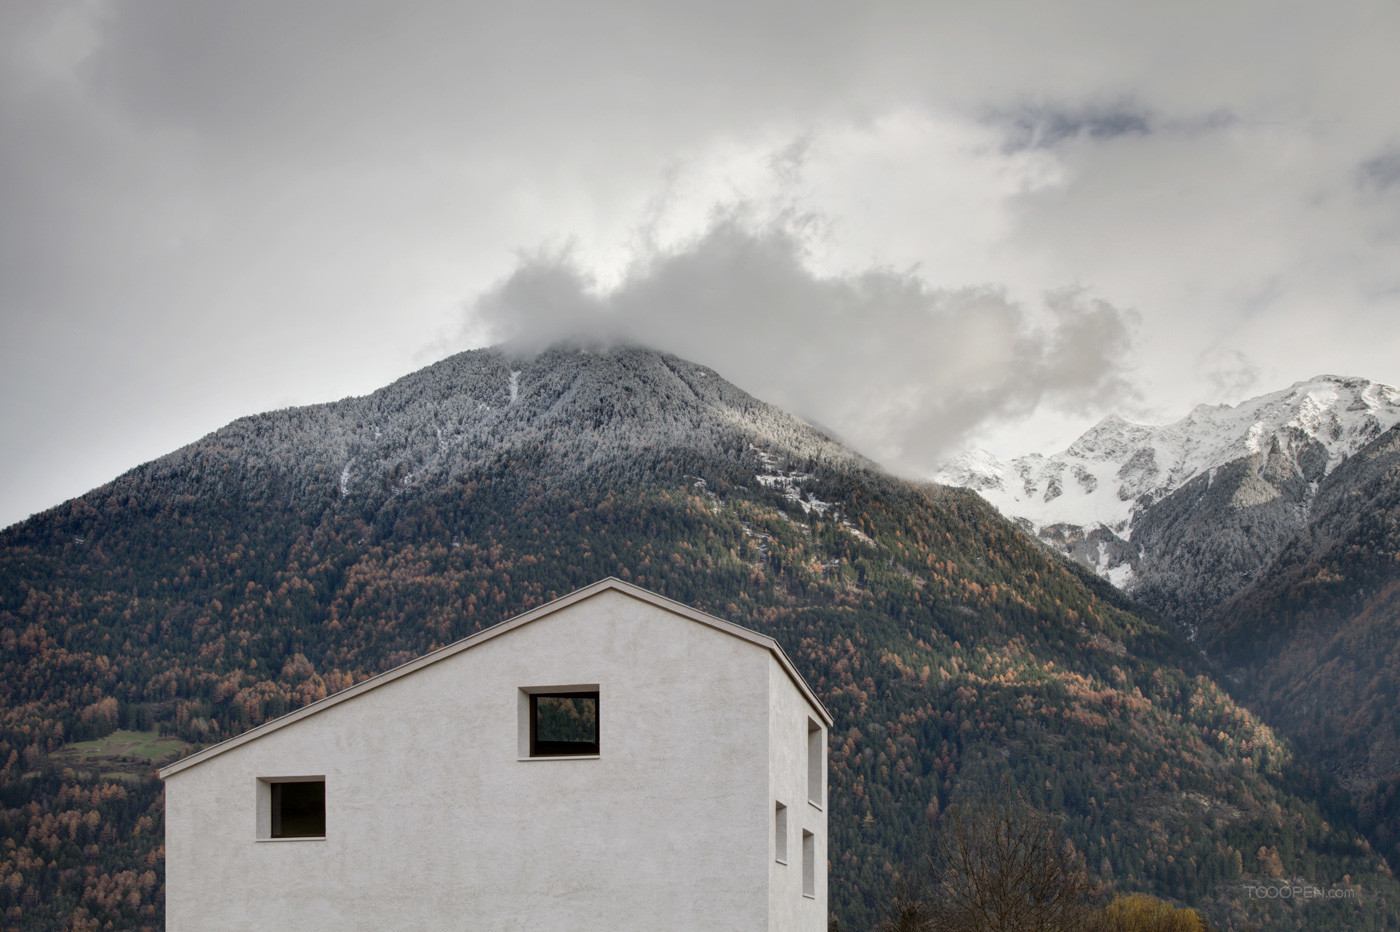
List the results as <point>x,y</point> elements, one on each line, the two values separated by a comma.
<point>294,807</point>
<point>780,833</point>
<point>564,724</point>
<point>809,864</point>
<point>816,763</point>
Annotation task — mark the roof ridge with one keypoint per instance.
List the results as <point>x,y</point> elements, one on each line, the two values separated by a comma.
<point>609,583</point>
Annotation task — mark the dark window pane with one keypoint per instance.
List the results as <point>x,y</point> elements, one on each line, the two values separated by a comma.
<point>563,724</point>
<point>299,809</point>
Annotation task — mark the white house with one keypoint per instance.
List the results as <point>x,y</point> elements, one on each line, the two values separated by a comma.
<point>610,761</point>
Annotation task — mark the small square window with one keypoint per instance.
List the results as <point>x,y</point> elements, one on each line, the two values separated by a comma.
<point>298,809</point>
<point>564,724</point>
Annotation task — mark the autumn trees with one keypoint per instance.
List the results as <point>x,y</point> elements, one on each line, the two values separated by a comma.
<point>1141,913</point>
<point>1000,865</point>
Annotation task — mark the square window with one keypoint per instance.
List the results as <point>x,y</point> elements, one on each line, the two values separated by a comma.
<point>564,724</point>
<point>297,808</point>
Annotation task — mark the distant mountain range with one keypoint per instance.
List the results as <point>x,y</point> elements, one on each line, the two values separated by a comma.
<point>1186,515</point>
<point>294,553</point>
<point>1267,529</point>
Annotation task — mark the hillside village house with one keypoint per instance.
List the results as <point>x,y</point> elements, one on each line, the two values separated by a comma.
<point>610,761</point>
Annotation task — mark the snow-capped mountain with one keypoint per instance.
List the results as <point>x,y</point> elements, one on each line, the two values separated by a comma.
<point>558,415</point>
<point>1184,514</point>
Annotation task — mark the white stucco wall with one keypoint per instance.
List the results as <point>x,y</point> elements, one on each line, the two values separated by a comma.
<point>433,821</point>
<point>790,716</point>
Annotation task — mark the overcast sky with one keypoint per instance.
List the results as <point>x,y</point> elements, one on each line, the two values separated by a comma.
<point>922,224</point>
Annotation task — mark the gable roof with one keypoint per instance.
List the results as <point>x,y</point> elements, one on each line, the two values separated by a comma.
<point>504,627</point>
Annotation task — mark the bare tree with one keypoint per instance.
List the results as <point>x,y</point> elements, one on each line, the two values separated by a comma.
<point>1001,866</point>
<point>910,909</point>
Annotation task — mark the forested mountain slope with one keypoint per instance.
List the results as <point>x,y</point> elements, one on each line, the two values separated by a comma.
<point>294,553</point>
<point>1268,529</point>
<point>1315,641</point>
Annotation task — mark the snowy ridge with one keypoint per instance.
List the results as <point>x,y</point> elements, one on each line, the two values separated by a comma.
<point>1108,478</point>
<point>1099,479</point>
<point>572,414</point>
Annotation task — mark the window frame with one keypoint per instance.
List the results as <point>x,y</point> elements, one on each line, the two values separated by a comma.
<point>268,797</point>
<point>530,748</point>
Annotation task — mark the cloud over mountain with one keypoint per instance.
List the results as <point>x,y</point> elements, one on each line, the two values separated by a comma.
<point>901,368</point>
<point>213,209</point>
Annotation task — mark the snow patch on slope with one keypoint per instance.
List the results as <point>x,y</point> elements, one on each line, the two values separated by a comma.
<point>775,475</point>
<point>790,483</point>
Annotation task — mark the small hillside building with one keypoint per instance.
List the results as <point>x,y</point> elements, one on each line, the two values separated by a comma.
<point>610,761</point>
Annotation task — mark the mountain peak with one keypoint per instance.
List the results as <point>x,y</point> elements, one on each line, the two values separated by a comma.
<point>973,469</point>
<point>1107,438</point>
<point>1118,470</point>
<point>565,411</point>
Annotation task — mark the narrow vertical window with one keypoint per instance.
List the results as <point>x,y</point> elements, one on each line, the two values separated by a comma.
<point>780,833</point>
<point>809,864</point>
<point>816,763</point>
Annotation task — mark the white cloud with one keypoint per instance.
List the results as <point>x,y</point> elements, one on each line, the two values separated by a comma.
<point>902,369</point>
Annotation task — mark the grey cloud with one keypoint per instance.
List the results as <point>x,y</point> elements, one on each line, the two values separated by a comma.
<point>1048,125</point>
<point>1381,172</point>
<point>903,370</point>
<point>1229,373</point>
<point>266,76</point>
<point>1044,126</point>
<point>1082,355</point>
<point>547,299</point>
